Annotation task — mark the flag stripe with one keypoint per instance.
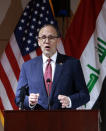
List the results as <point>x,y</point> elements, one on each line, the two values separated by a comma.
<point>9,71</point>
<point>26,57</point>
<point>1,113</point>
<point>33,54</point>
<point>12,61</point>
<point>16,51</point>
<point>5,100</point>
<point>1,105</point>
<point>8,88</point>
<point>38,51</point>
<point>60,47</point>
<point>79,38</point>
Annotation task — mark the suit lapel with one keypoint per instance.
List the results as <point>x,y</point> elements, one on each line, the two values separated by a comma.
<point>58,71</point>
<point>40,75</point>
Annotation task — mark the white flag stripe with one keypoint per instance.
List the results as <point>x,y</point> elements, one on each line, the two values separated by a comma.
<point>16,51</point>
<point>93,96</point>
<point>88,57</point>
<point>33,54</point>
<point>60,48</point>
<point>4,98</point>
<point>9,72</point>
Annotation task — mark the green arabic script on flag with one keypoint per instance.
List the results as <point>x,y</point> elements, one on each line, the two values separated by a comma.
<point>101,49</point>
<point>94,76</point>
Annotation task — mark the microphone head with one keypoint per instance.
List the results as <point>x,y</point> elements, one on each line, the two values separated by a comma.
<point>48,80</point>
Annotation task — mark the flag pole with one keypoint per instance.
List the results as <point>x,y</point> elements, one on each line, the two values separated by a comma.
<point>51,5</point>
<point>1,118</point>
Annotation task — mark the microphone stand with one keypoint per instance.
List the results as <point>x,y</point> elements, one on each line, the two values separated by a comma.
<point>22,97</point>
<point>48,83</point>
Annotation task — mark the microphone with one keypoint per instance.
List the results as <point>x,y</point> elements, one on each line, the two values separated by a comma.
<point>48,80</point>
<point>23,92</point>
<point>48,83</point>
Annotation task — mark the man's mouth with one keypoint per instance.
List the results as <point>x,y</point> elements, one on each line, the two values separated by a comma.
<point>47,47</point>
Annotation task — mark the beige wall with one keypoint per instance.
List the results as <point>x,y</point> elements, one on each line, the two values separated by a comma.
<point>10,12</point>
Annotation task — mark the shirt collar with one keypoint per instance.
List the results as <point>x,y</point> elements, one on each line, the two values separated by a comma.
<point>53,58</point>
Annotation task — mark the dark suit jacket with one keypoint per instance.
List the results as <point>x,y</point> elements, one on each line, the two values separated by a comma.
<point>68,80</point>
<point>103,106</point>
<point>100,104</point>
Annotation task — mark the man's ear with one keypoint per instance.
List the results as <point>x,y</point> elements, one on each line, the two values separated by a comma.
<point>38,43</point>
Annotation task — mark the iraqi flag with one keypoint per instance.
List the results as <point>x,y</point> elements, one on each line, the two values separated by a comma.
<point>86,40</point>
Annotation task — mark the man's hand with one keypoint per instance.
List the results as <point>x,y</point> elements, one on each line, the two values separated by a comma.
<point>33,99</point>
<point>64,100</point>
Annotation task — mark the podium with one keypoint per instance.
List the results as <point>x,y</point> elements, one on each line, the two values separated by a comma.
<point>73,120</point>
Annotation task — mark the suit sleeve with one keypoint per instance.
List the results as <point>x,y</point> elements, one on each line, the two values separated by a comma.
<point>21,83</point>
<point>81,95</point>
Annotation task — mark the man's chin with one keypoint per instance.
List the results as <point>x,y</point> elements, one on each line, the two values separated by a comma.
<point>48,53</point>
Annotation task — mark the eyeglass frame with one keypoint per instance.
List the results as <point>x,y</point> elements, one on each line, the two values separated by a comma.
<point>50,37</point>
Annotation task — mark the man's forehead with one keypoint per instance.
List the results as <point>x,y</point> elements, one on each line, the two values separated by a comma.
<point>48,28</point>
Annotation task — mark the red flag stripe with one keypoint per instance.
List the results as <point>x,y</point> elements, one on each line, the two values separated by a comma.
<point>1,106</point>
<point>8,87</point>
<point>16,51</point>
<point>12,60</point>
<point>38,51</point>
<point>26,57</point>
<point>77,39</point>
<point>5,100</point>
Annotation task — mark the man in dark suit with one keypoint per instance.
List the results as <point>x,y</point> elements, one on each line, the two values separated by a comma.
<point>68,89</point>
<point>100,104</point>
<point>103,105</point>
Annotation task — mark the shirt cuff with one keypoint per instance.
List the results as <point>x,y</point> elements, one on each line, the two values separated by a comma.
<point>32,106</point>
<point>70,104</point>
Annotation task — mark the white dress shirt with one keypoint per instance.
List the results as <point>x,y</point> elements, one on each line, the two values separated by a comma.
<point>53,63</point>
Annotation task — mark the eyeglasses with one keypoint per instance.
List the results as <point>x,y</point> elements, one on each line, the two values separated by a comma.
<point>51,38</point>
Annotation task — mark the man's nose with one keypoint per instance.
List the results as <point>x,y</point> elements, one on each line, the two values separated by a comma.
<point>47,39</point>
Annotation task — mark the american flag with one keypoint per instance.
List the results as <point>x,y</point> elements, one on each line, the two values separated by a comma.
<point>22,47</point>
